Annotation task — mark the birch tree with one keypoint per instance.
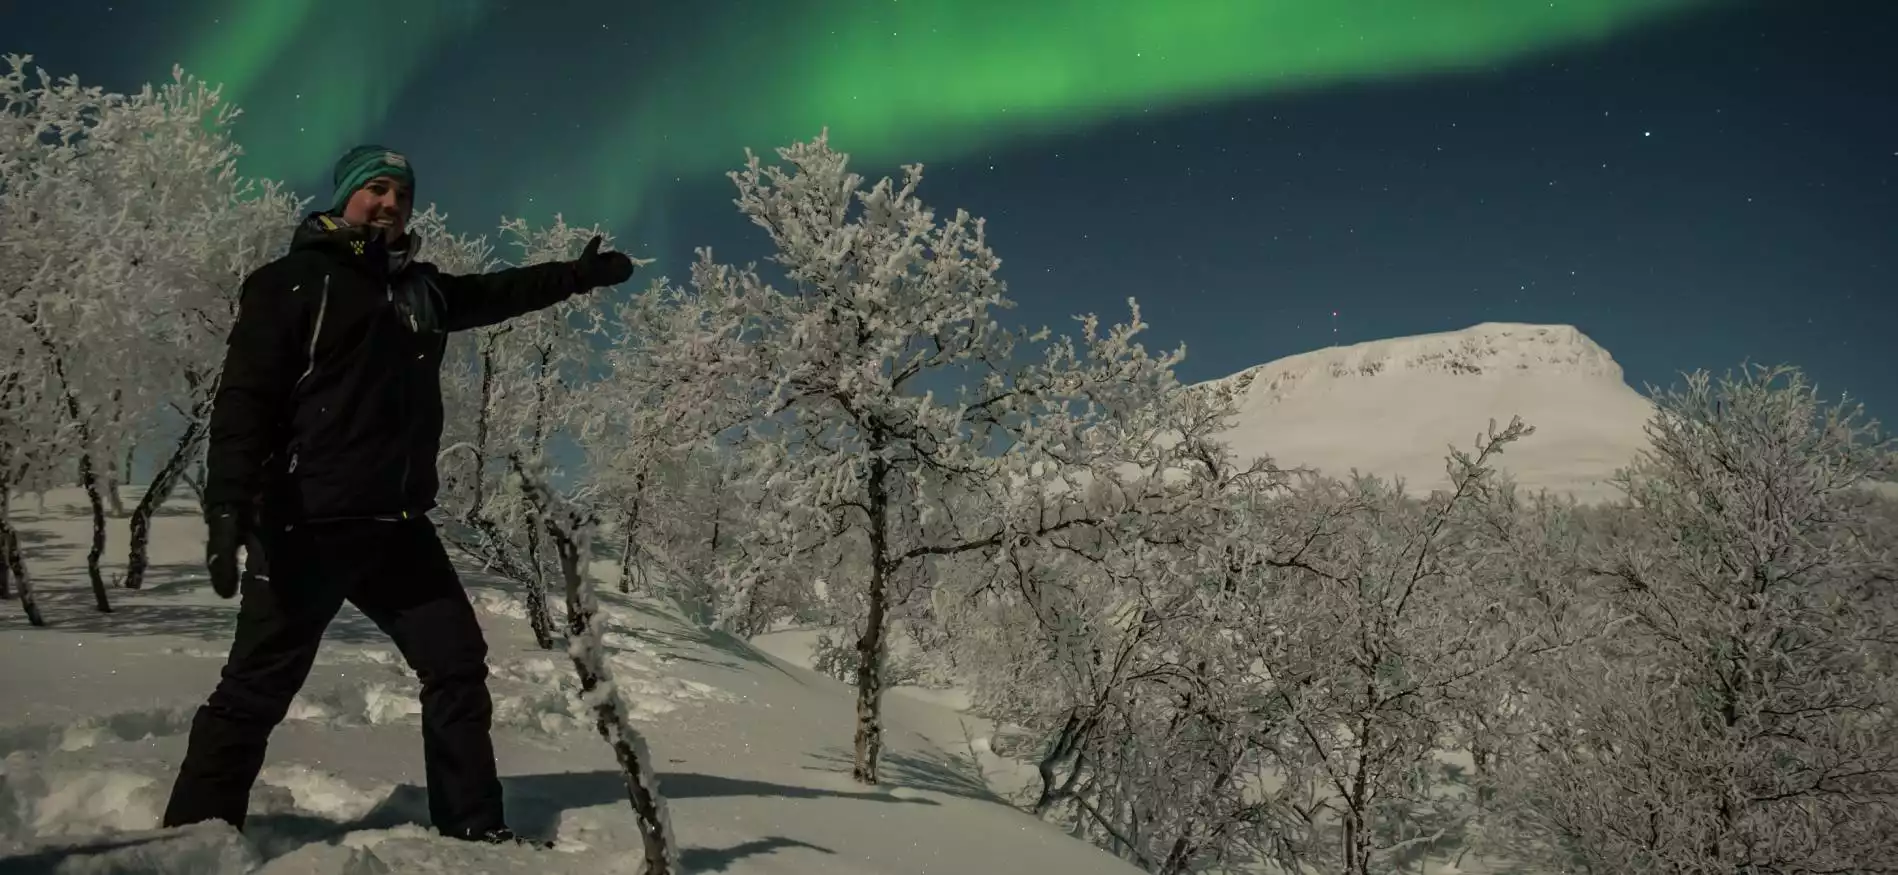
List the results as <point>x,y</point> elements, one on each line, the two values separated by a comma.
<point>660,408</point>
<point>1386,615</point>
<point>518,387</point>
<point>1111,643</point>
<point>58,295</point>
<point>852,451</point>
<point>26,421</point>
<point>189,228</point>
<point>1741,719</point>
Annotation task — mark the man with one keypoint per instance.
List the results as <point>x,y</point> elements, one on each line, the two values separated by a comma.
<point>322,462</point>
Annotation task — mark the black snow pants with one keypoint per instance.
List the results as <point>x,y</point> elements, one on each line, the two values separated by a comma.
<point>399,576</point>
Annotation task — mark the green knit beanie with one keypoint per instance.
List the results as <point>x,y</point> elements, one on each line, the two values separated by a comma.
<point>363,163</point>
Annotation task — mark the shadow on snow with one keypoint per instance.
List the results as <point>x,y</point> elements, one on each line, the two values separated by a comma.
<point>535,804</point>
<point>931,771</point>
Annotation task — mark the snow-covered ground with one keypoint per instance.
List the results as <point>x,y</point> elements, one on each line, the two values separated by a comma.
<point>1393,407</point>
<point>751,749</point>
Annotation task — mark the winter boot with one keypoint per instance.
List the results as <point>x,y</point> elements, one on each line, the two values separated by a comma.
<point>498,836</point>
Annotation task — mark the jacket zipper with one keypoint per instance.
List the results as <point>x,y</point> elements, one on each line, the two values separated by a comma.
<point>316,333</point>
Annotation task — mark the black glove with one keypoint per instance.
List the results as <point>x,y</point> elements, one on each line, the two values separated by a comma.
<point>228,527</point>
<point>598,269</point>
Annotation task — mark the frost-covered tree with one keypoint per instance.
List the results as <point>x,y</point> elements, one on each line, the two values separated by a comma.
<point>1087,638</point>
<point>1740,718</point>
<point>1250,667</point>
<point>852,453</point>
<point>515,388</point>
<point>1374,619</point>
<point>653,451</point>
<point>132,230</point>
<point>193,228</point>
<point>61,313</point>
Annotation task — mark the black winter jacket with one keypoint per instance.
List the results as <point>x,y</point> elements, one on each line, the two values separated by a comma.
<point>330,405</point>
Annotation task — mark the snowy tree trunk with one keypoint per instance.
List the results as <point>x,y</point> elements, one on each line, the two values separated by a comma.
<point>114,478</point>
<point>703,598</point>
<point>194,482</point>
<point>1354,807</point>
<point>137,557</point>
<point>9,543</point>
<point>570,532</point>
<point>869,738</point>
<point>16,567</point>
<point>88,477</point>
<point>494,548</point>
<point>90,480</point>
<point>1183,856</point>
<point>12,561</point>
<point>630,568</point>
<point>483,425</point>
<point>628,557</point>
<point>629,747</point>
<point>1066,747</point>
<point>538,612</point>
<point>539,616</point>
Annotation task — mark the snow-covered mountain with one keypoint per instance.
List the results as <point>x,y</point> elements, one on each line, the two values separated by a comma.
<point>1393,407</point>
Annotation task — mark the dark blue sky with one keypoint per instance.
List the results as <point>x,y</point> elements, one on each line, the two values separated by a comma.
<point>1694,194</point>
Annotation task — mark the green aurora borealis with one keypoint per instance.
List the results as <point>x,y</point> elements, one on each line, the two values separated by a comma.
<point>893,80</point>
<point>341,76</point>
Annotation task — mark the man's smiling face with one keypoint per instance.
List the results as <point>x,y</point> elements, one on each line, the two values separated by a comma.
<point>383,202</point>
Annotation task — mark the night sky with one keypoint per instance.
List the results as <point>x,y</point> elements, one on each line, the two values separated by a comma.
<point>1692,183</point>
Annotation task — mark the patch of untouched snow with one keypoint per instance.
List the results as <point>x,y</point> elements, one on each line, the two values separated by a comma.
<point>1394,407</point>
<point>793,644</point>
<point>752,751</point>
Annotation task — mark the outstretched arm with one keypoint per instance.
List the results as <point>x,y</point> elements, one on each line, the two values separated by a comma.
<point>482,299</point>
<point>477,300</point>
<point>267,351</point>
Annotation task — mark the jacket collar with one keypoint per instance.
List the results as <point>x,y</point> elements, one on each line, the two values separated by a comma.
<point>358,245</point>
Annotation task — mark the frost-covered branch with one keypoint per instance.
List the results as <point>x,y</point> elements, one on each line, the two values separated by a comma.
<point>571,529</point>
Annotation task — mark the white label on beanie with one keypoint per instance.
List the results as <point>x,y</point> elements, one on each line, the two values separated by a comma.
<point>394,160</point>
